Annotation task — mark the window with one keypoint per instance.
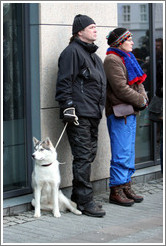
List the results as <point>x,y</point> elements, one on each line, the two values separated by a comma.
<point>15,127</point>
<point>143,13</point>
<point>126,13</point>
<point>141,28</point>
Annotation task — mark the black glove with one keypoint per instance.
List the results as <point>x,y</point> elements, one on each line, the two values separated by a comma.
<point>70,116</point>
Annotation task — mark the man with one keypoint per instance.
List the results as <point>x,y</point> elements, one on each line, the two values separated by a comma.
<point>80,91</point>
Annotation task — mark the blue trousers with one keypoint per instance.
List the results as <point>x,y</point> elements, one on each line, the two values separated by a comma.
<point>122,142</point>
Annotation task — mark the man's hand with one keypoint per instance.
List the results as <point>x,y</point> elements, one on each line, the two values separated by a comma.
<point>70,116</point>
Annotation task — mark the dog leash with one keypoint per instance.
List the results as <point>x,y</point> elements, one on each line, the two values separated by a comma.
<point>75,122</point>
<point>61,135</point>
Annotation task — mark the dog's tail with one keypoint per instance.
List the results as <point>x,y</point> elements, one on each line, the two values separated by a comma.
<point>68,204</point>
<point>74,208</point>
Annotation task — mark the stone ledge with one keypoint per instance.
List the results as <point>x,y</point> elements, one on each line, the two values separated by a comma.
<point>147,170</point>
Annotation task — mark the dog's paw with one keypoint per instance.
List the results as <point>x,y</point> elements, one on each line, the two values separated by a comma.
<point>57,214</point>
<point>37,215</point>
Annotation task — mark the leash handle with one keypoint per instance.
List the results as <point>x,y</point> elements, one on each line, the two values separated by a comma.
<point>61,135</point>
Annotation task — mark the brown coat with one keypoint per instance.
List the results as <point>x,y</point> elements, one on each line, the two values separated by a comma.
<point>118,90</point>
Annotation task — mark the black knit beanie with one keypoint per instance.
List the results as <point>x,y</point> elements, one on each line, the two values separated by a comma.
<point>80,22</point>
<point>118,36</point>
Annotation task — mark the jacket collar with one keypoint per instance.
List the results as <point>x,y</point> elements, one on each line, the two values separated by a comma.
<point>91,48</point>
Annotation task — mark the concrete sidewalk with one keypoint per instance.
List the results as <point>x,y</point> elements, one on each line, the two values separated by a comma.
<point>140,223</point>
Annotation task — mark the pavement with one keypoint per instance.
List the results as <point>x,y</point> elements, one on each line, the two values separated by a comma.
<point>141,223</point>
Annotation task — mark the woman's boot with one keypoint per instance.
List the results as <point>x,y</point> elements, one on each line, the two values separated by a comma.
<point>117,196</point>
<point>131,194</point>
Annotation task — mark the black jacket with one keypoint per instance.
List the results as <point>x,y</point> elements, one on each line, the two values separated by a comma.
<point>81,80</point>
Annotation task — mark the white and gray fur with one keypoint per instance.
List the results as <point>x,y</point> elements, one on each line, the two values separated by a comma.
<point>46,180</point>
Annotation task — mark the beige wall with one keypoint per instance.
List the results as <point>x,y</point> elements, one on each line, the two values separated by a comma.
<point>55,31</point>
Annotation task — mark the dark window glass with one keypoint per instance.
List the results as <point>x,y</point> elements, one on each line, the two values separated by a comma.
<point>14,160</point>
<point>158,15</point>
<point>140,27</point>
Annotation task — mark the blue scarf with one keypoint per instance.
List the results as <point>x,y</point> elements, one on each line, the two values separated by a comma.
<point>135,72</point>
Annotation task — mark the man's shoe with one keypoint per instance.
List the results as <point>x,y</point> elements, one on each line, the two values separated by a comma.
<point>93,210</point>
<point>99,204</point>
<point>117,196</point>
<point>131,194</point>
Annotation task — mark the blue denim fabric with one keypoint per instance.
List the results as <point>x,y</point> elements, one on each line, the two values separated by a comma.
<point>122,141</point>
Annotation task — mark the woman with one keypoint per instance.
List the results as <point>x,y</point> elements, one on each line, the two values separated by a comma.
<point>124,88</point>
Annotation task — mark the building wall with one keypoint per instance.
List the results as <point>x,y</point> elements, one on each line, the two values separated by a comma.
<point>55,31</point>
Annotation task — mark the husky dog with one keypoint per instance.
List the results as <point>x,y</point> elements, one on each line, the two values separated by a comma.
<point>46,180</point>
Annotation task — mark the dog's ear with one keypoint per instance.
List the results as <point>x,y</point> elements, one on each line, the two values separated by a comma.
<point>35,141</point>
<point>48,142</point>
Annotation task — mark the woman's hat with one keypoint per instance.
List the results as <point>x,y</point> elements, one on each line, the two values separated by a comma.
<point>80,22</point>
<point>118,36</point>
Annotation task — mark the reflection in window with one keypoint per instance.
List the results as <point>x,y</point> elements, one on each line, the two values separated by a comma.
<point>126,13</point>
<point>142,53</point>
<point>14,164</point>
<point>159,75</point>
<point>143,12</point>
<point>139,27</point>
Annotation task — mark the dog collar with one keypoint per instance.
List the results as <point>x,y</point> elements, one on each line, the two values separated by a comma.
<point>46,165</point>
